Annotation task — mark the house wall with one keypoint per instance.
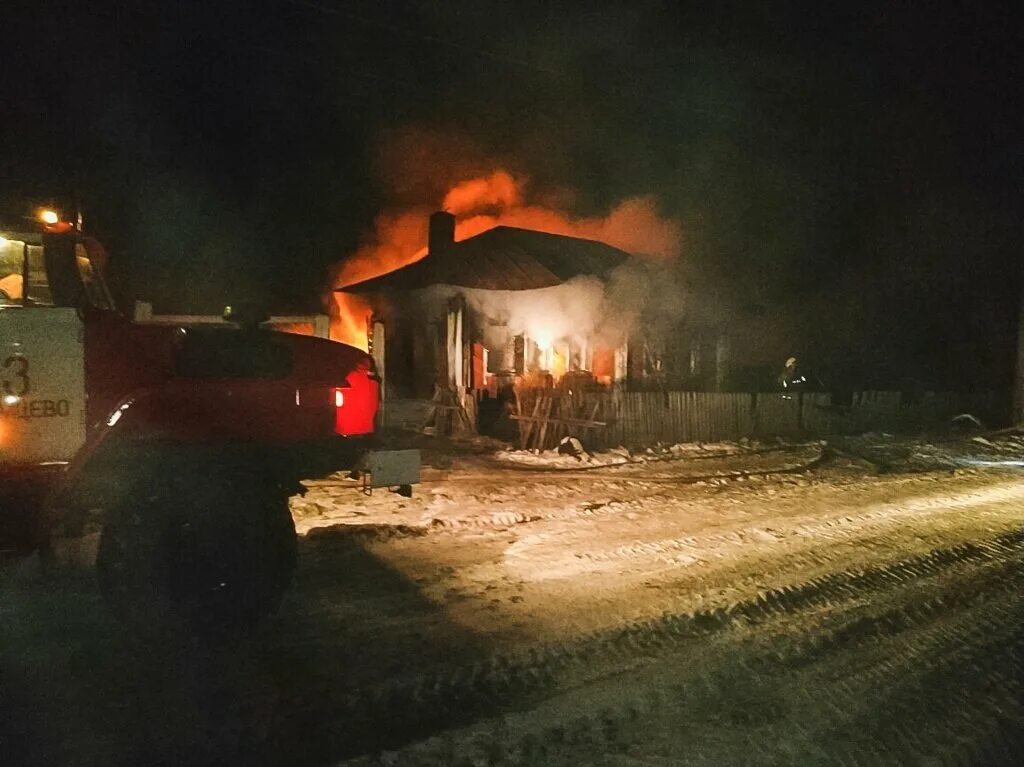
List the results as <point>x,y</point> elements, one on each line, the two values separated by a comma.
<point>421,327</point>
<point>431,336</point>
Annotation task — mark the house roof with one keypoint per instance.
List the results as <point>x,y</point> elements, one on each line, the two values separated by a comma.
<point>502,258</point>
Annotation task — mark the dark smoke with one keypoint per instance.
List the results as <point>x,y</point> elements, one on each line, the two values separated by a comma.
<point>851,175</point>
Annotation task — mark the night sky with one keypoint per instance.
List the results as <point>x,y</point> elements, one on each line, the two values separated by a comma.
<point>858,171</point>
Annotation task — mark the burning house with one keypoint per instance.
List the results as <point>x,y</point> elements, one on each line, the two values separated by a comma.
<point>508,306</point>
<point>503,292</point>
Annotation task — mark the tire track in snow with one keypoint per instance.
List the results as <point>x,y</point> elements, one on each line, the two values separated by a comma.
<point>693,549</point>
<point>986,643</point>
<point>454,697</point>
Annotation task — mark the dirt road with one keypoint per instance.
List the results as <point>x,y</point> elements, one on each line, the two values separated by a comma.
<point>721,607</point>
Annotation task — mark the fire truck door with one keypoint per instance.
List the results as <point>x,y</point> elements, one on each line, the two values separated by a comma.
<point>42,385</point>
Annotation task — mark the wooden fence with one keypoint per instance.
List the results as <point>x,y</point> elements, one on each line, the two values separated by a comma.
<point>646,418</point>
<point>637,418</point>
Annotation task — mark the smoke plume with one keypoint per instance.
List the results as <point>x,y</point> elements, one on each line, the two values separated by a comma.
<point>500,198</point>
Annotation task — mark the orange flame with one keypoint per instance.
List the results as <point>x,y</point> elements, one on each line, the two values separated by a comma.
<point>498,192</point>
<point>349,317</point>
<point>479,204</point>
<point>296,328</point>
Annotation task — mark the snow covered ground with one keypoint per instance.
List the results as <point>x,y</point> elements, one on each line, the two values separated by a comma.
<point>890,453</point>
<point>712,604</point>
<point>621,455</point>
<point>509,487</point>
<point>699,515</point>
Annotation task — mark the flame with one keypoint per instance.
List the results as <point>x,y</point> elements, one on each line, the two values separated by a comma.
<point>499,191</point>
<point>400,239</point>
<point>349,316</point>
<point>481,203</point>
<point>633,225</point>
<point>296,328</point>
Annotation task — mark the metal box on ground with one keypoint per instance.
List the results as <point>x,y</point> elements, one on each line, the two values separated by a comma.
<point>391,468</point>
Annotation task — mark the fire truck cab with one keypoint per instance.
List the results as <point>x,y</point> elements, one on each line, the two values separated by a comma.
<point>47,281</point>
<point>181,444</point>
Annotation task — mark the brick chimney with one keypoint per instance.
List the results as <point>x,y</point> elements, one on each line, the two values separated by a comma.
<point>442,232</point>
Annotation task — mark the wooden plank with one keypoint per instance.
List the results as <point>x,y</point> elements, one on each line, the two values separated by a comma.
<point>701,408</point>
<point>543,426</point>
<point>695,419</point>
<point>638,406</point>
<point>680,418</point>
<point>564,421</point>
<point>532,444</point>
<point>649,404</point>
<point>720,417</point>
<point>707,415</point>
<point>712,430</point>
<point>743,404</point>
<point>711,411</point>
<point>620,424</point>
<point>651,413</point>
<point>525,429</point>
<point>542,443</point>
<point>685,416</point>
<point>697,422</point>
<point>676,415</point>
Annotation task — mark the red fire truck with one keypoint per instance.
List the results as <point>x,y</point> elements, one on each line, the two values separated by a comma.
<point>182,444</point>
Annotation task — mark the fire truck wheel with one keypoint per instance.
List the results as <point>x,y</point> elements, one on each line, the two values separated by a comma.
<point>204,561</point>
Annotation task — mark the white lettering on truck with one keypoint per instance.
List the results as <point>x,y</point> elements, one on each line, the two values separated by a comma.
<point>14,377</point>
<point>42,384</point>
<point>36,408</point>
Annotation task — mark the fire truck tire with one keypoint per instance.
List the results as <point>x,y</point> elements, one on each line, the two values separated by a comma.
<point>200,562</point>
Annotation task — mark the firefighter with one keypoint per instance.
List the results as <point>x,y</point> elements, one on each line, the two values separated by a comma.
<point>790,377</point>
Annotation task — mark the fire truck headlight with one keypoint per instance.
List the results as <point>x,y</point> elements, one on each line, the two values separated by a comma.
<point>48,216</point>
<point>339,398</point>
<point>11,399</point>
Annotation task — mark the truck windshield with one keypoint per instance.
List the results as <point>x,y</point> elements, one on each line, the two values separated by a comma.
<point>79,274</point>
<point>95,288</point>
<point>13,254</point>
